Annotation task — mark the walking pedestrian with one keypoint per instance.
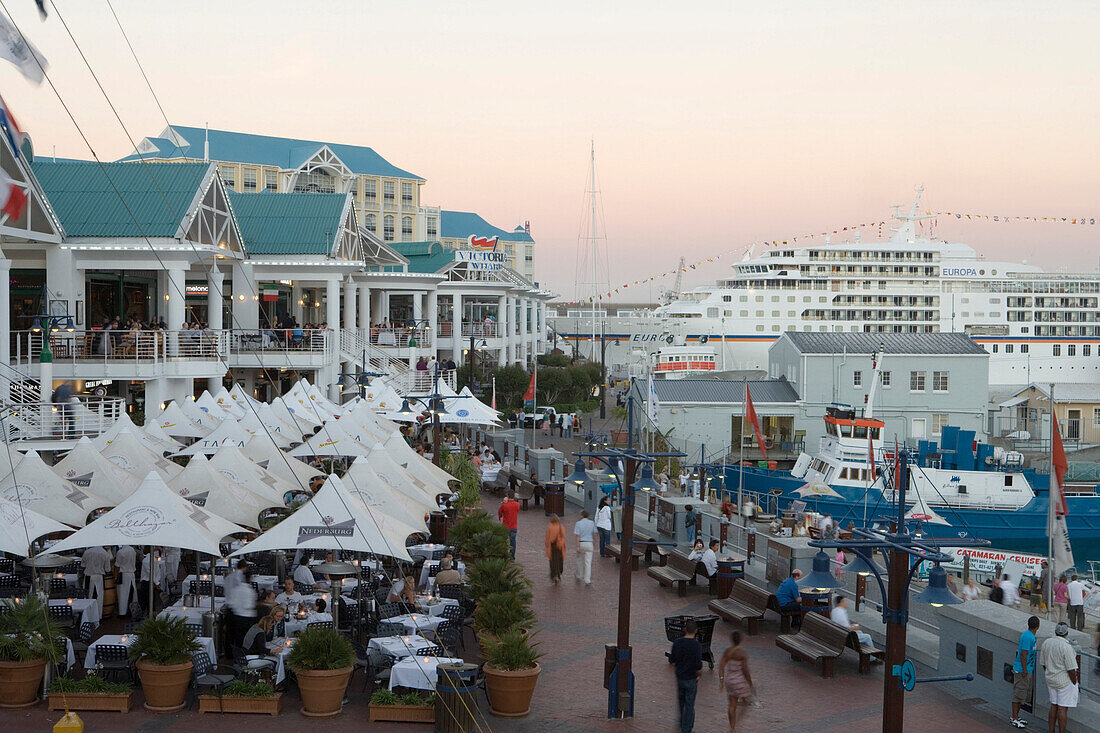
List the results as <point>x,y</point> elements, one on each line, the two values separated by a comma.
<point>96,562</point>
<point>733,674</point>
<point>126,560</point>
<point>1059,659</point>
<point>583,530</point>
<point>690,521</point>
<point>1011,595</point>
<point>970,591</point>
<point>603,525</point>
<point>687,655</point>
<point>241,600</point>
<point>1076,592</point>
<point>1023,672</point>
<point>555,548</point>
<point>508,513</point>
<point>1061,600</point>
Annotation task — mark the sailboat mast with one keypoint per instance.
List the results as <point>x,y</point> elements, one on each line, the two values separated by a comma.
<point>595,260</point>
<point>1050,508</point>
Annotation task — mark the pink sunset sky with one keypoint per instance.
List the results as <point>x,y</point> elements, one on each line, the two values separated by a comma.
<point>715,124</point>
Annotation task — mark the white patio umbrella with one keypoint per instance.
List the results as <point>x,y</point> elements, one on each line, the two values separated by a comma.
<point>130,454</point>
<point>20,527</point>
<point>299,399</point>
<point>361,481</point>
<point>334,520</point>
<point>173,421</point>
<point>224,399</point>
<point>285,423</point>
<point>396,477</point>
<point>273,432</point>
<point>157,433</point>
<point>387,400</point>
<point>204,486</point>
<point>331,440</point>
<point>199,416</point>
<point>207,403</point>
<point>241,397</point>
<point>416,464</point>
<point>232,464</point>
<point>32,485</point>
<point>265,454</point>
<point>125,424</point>
<point>87,468</point>
<point>816,489</point>
<point>294,415</point>
<point>228,433</point>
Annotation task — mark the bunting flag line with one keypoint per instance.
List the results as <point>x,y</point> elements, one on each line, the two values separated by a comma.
<point>1090,220</point>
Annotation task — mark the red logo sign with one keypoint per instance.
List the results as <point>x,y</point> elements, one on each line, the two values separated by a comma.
<point>484,244</point>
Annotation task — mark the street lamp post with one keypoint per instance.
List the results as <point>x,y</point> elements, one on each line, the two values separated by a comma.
<point>471,356</point>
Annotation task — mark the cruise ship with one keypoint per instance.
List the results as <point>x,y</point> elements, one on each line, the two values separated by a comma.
<point>1036,326</point>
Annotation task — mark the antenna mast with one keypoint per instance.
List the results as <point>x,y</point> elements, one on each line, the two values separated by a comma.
<point>592,222</point>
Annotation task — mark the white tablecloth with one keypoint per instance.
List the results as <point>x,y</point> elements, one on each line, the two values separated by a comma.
<point>416,623</point>
<point>205,642</point>
<point>264,582</point>
<point>193,614</point>
<point>424,551</point>
<point>490,471</point>
<point>86,608</point>
<point>399,647</point>
<point>418,673</point>
<point>434,606</point>
<point>431,564</point>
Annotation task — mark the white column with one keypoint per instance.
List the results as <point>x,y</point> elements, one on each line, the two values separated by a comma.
<point>332,304</point>
<point>456,329</point>
<point>215,299</point>
<point>524,318</point>
<point>418,306</point>
<point>504,310</point>
<point>351,302</point>
<point>364,310</point>
<point>246,315</point>
<point>432,316</point>
<point>175,291</point>
<point>376,307</point>
<point>332,316</point>
<point>296,307</point>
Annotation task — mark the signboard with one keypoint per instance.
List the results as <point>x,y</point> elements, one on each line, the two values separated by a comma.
<point>482,244</point>
<point>986,560</point>
<point>666,519</point>
<point>482,260</point>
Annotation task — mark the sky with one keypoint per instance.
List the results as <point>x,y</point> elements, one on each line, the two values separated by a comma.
<point>715,124</point>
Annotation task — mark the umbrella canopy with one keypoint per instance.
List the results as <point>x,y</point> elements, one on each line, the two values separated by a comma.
<point>362,424</point>
<point>294,415</point>
<point>284,423</point>
<point>332,440</point>
<point>173,421</point>
<point>202,418</point>
<point>125,424</point>
<point>32,485</point>
<point>386,400</point>
<point>224,399</point>
<point>86,468</point>
<point>816,489</point>
<point>130,454</point>
<point>20,527</point>
<point>397,478</point>
<point>157,433</point>
<point>333,520</point>
<point>318,398</point>
<point>363,483</point>
<point>265,454</point>
<point>243,398</point>
<point>207,403</point>
<point>204,486</point>
<point>298,398</point>
<point>228,433</point>
<point>430,474</point>
<point>232,464</point>
<point>475,405</point>
<point>273,431</point>
<point>154,515</point>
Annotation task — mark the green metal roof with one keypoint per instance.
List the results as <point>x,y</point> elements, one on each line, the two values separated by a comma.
<point>424,257</point>
<point>150,200</point>
<point>288,223</point>
<point>461,224</point>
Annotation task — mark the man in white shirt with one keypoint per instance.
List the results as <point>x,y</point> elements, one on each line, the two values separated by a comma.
<point>1076,608</point>
<point>303,577</point>
<point>583,531</point>
<point>126,559</point>
<point>96,562</point>
<point>839,616</point>
<point>235,577</point>
<point>172,566</point>
<point>289,595</point>
<point>241,604</point>
<point>1059,660</point>
<point>319,613</point>
<point>1012,595</point>
<point>157,576</point>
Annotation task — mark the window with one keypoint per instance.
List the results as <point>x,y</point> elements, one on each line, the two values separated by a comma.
<point>433,227</point>
<point>995,348</point>
<point>406,228</point>
<point>1009,348</point>
<point>1056,350</point>
<point>1096,416</point>
<point>316,181</point>
<point>916,381</point>
<point>387,191</point>
<point>271,181</point>
<point>370,191</point>
<point>406,194</point>
<point>387,228</point>
<point>229,176</point>
<point>1071,350</point>
<point>939,420</point>
<point>370,223</point>
<point>884,378</point>
<point>1024,348</point>
<point>857,378</point>
<point>248,176</point>
<point>354,188</point>
<point>939,381</point>
<point>1086,350</point>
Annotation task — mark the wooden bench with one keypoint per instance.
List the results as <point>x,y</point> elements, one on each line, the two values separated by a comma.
<point>747,603</point>
<point>820,640</point>
<point>649,546</point>
<point>500,484</point>
<point>616,551</point>
<point>678,572</point>
<point>525,492</point>
<point>866,652</point>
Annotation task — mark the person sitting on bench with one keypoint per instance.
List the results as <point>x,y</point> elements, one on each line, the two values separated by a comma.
<point>790,600</point>
<point>839,616</point>
<point>706,560</point>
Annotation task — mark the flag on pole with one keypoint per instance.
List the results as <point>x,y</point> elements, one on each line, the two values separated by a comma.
<point>12,198</point>
<point>750,413</point>
<point>529,395</point>
<point>1062,556</point>
<point>16,49</point>
<point>16,136</point>
<point>493,404</point>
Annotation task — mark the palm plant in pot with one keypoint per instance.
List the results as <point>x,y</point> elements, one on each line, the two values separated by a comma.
<point>479,536</point>
<point>511,672</point>
<point>161,650</point>
<point>466,474</point>
<point>499,613</point>
<point>323,662</point>
<point>28,640</point>
<point>496,575</point>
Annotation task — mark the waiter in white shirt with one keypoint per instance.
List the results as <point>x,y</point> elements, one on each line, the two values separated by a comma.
<point>126,559</point>
<point>303,577</point>
<point>172,566</point>
<point>157,559</point>
<point>96,562</point>
<point>236,577</point>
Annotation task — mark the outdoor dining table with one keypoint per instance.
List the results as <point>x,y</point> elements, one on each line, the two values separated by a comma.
<point>398,647</point>
<point>418,673</point>
<point>263,582</point>
<point>425,571</point>
<point>416,623</point>
<point>192,614</point>
<point>490,471</point>
<point>434,605</point>
<point>424,551</point>
<point>86,608</point>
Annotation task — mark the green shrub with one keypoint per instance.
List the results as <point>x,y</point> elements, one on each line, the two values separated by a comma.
<point>246,688</point>
<point>512,651</point>
<point>498,613</point>
<point>28,633</point>
<point>320,649</point>
<point>383,696</point>
<point>91,684</point>
<point>479,536</point>
<point>164,640</point>
<point>415,698</point>
<point>459,465</point>
<point>495,575</point>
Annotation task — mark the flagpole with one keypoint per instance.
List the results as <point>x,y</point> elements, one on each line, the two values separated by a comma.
<point>1050,506</point>
<point>741,444</point>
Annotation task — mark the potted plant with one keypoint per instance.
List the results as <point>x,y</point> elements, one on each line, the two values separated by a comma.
<point>496,575</point>
<point>466,474</point>
<point>511,671</point>
<point>253,695</point>
<point>323,661</point>
<point>478,536</point>
<point>91,693</point>
<point>499,613</point>
<point>410,708</point>
<point>161,650</point>
<point>28,640</point>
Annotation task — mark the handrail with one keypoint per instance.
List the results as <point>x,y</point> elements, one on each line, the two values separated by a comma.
<point>281,340</point>
<point>119,345</point>
<point>75,418</point>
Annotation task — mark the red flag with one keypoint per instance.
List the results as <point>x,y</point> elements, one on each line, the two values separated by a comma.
<point>529,395</point>
<point>750,413</point>
<point>1061,466</point>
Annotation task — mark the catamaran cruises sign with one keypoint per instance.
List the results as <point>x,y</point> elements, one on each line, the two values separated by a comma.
<point>482,260</point>
<point>987,561</point>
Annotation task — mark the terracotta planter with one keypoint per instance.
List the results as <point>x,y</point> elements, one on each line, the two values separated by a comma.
<point>510,693</point>
<point>19,683</point>
<point>165,686</point>
<point>323,690</point>
<point>402,713</point>
<point>234,704</point>
<point>111,702</point>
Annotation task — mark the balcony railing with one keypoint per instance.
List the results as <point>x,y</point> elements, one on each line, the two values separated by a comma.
<point>281,340</point>
<point>113,346</point>
<point>399,337</point>
<point>86,416</point>
<point>481,329</point>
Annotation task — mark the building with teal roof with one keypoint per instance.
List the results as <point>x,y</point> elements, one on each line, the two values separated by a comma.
<point>459,226</point>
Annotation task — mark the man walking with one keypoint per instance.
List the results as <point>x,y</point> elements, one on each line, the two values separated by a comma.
<point>1060,662</point>
<point>583,531</point>
<point>126,559</point>
<point>687,655</point>
<point>96,562</point>
<point>508,514</point>
<point>1023,672</point>
<point>690,522</point>
<point>1076,591</point>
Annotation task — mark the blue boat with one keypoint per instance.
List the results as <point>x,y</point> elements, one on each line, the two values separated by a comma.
<point>959,488</point>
